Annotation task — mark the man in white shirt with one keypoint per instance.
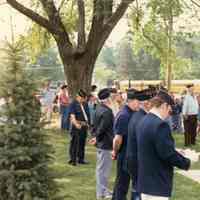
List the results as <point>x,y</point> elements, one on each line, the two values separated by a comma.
<point>190,112</point>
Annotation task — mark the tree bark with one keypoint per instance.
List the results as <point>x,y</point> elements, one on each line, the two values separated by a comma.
<point>79,75</point>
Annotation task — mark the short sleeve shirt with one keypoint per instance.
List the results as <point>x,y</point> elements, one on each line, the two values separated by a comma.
<point>75,108</point>
<point>121,125</point>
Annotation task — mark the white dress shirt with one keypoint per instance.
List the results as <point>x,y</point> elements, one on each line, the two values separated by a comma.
<point>190,105</point>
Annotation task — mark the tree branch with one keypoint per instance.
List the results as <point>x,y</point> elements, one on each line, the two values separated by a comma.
<point>108,9</point>
<point>152,41</point>
<point>81,25</point>
<point>117,15</point>
<point>61,5</point>
<point>55,20</point>
<point>50,9</point>
<point>114,19</point>
<point>32,15</point>
<point>97,25</point>
<point>197,4</point>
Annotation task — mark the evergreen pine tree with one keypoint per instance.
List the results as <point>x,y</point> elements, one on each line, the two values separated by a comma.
<point>24,153</point>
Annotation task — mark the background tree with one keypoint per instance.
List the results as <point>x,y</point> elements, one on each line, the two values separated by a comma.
<point>125,59</point>
<point>155,33</point>
<point>102,75</point>
<point>24,153</point>
<point>78,55</point>
<point>107,57</point>
<point>47,66</point>
<point>135,66</point>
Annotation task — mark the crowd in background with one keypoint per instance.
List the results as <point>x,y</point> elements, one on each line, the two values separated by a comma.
<point>57,100</point>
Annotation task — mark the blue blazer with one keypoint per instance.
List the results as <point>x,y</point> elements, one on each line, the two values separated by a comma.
<point>156,157</point>
<point>131,151</point>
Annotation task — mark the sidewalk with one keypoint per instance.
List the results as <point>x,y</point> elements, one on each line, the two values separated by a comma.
<point>192,174</point>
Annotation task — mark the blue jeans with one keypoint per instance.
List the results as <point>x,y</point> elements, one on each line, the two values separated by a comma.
<point>64,116</point>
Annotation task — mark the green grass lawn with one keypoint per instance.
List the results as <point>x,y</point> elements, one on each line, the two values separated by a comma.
<point>78,183</point>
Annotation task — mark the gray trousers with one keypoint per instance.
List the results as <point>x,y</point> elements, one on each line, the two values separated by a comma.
<point>103,169</point>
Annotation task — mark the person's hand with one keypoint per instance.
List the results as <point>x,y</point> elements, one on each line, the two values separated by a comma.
<point>114,155</point>
<point>78,126</point>
<point>92,141</point>
<point>181,151</point>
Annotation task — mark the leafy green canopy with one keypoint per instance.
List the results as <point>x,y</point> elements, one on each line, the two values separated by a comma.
<point>38,39</point>
<point>24,153</point>
<point>154,30</point>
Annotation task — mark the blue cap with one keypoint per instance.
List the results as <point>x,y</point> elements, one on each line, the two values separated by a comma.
<point>104,93</point>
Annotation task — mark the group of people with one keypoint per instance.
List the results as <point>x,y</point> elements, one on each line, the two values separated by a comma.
<point>140,139</point>
<point>136,133</point>
<point>134,129</point>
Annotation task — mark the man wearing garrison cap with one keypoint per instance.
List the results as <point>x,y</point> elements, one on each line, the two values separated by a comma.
<point>131,151</point>
<point>79,118</point>
<point>103,137</point>
<point>120,143</point>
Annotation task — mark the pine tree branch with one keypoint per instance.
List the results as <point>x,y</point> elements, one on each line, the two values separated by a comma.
<point>32,15</point>
<point>81,26</point>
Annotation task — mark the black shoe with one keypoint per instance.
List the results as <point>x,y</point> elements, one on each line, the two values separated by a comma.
<point>72,162</point>
<point>83,162</point>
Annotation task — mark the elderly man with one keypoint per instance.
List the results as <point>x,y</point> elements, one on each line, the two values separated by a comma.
<point>190,111</point>
<point>103,132</point>
<point>131,151</point>
<point>120,144</point>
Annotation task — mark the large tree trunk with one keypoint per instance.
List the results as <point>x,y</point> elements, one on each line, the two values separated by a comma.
<point>79,76</point>
<point>78,67</point>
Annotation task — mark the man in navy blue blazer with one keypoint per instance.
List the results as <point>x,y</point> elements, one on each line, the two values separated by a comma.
<point>156,151</point>
<point>131,151</point>
<point>120,143</point>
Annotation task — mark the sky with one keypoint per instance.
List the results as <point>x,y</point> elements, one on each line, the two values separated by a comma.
<point>11,18</point>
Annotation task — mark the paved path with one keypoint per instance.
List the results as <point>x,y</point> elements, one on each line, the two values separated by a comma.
<point>192,174</point>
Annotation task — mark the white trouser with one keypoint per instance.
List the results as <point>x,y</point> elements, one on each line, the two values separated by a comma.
<point>150,197</point>
<point>103,169</point>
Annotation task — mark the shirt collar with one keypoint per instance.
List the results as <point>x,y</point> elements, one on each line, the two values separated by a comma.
<point>128,109</point>
<point>155,112</point>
